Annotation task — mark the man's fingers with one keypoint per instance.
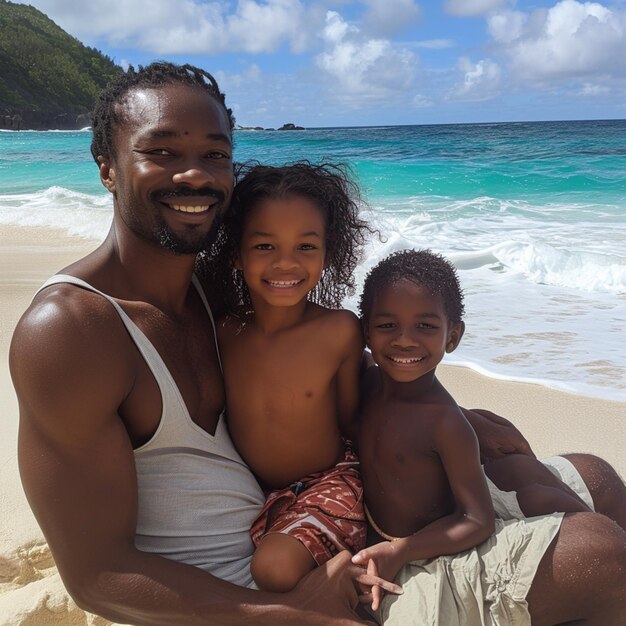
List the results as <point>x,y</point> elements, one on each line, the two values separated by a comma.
<point>373,598</point>
<point>371,567</point>
<point>377,592</point>
<point>360,558</point>
<point>370,581</point>
<point>377,596</point>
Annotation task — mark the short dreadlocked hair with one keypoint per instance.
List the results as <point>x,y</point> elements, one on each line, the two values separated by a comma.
<point>330,187</point>
<point>106,113</point>
<point>422,267</point>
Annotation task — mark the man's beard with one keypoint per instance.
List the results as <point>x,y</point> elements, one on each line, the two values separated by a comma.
<point>192,244</point>
<point>189,242</point>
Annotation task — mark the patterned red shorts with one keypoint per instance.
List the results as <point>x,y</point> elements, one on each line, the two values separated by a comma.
<point>323,510</point>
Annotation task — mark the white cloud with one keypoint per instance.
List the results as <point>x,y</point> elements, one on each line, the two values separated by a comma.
<point>367,68</point>
<point>507,26</point>
<point>481,81</point>
<point>189,26</point>
<point>465,8</point>
<point>421,102</point>
<point>589,90</point>
<point>384,18</point>
<point>570,40</point>
<point>230,80</point>
<point>435,44</point>
<point>257,27</point>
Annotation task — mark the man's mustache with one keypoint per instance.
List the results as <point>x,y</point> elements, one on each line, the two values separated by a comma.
<point>203,192</point>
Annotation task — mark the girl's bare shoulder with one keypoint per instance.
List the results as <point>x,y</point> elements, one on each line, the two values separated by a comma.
<point>343,317</point>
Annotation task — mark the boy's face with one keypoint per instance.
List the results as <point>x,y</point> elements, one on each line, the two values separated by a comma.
<point>282,250</point>
<point>408,331</point>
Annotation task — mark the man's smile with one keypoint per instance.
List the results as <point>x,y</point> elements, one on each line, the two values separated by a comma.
<point>186,208</point>
<point>189,200</point>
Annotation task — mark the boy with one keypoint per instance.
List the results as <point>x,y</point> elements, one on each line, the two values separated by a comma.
<point>426,493</point>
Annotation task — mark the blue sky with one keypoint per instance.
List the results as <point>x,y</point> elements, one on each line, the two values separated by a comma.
<point>377,62</point>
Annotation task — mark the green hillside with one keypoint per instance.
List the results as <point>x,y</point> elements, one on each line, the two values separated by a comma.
<point>47,77</point>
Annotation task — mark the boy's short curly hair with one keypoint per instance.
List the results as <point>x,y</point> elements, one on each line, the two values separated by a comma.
<point>106,112</point>
<point>424,268</point>
<point>330,187</point>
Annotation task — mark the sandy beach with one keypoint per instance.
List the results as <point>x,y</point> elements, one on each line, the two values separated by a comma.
<point>30,589</point>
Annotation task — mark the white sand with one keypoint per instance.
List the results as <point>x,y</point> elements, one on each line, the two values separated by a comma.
<point>30,588</point>
<point>31,591</point>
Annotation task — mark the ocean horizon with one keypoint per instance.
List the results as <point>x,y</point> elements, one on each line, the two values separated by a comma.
<point>533,215</point>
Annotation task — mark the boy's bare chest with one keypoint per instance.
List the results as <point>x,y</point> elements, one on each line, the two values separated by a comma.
<point>396,446</point>
<point>404,479</point>
<point>395,434</point>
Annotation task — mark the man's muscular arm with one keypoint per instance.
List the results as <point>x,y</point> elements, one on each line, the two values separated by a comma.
<point>72,364</point>
<point>496,435</point>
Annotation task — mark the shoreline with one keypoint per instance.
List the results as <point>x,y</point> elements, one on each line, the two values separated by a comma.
<point>30,588</point>
<point>553,421</point>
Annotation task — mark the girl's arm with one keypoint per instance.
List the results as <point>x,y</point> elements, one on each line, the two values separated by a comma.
<point>351,337</point>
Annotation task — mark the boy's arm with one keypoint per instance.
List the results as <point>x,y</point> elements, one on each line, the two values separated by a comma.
<point>469,524</point>
<point>348,374</point>
<point>72,368</point>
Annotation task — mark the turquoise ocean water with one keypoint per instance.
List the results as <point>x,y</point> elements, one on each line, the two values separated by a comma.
<point>532,214</point>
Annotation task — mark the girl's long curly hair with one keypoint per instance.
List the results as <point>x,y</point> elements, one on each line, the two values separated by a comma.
<point>330,187</point>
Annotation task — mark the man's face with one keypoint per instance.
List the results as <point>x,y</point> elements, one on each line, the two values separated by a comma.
<point>172,173</point>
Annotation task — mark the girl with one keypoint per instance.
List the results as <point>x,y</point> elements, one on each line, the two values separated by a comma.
<point>289,244</point>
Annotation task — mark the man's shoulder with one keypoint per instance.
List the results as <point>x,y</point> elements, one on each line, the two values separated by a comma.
<point>60,349</point>
<point>67,316</point>
<point>62,302</point>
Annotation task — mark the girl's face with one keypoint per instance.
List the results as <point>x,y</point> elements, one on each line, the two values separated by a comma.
<point>282,250</point>
<point>408,331</point>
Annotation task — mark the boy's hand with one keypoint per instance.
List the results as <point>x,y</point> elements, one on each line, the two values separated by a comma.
<point>383,560</point>
<point>332,590</point>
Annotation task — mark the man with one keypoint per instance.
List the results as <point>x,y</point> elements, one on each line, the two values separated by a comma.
<point>123,451</point>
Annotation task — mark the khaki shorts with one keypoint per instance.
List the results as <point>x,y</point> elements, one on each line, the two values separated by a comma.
<point>505,503</point>
<point>484,586</point>
<point>565,470</point>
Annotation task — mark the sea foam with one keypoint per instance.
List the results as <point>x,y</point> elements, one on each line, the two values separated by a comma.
<point>80,214</point>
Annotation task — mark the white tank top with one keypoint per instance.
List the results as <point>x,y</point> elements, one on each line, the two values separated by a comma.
<point>197,498</point>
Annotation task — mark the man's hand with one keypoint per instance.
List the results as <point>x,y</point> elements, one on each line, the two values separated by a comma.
<point>496,435</point>
<point>332,591</point>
